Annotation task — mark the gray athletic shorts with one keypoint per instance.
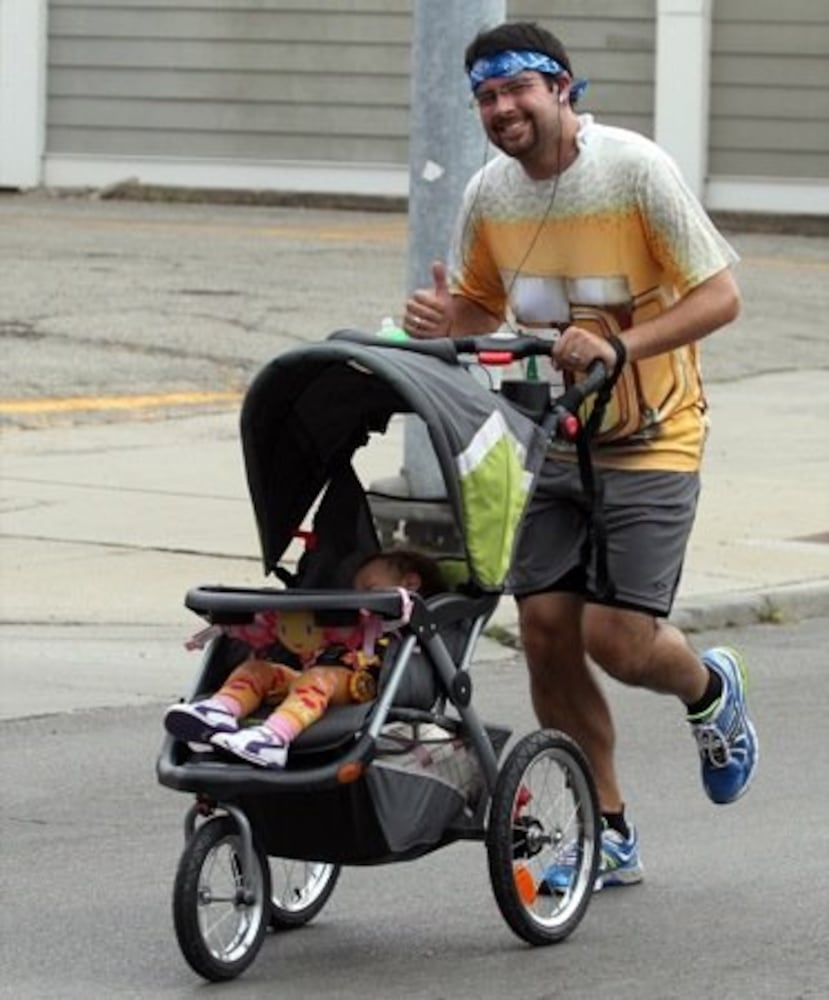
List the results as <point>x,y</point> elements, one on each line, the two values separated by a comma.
<point>648,517</point>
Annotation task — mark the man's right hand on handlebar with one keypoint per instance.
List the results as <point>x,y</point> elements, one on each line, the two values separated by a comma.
<point>577,349</point>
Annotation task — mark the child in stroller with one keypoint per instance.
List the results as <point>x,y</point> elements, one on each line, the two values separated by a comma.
<point>336,674</point>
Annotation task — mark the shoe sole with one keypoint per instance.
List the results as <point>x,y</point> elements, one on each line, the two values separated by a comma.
<point>743,676</point>
<point>747,784</point>
<point>242,753</point>
<point>191,728</point>
<point>618,879</point>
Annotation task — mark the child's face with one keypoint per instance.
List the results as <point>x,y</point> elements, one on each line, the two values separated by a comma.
<point>380,575</point>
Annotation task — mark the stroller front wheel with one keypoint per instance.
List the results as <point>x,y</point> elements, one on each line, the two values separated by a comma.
<point>543,843</point>
<point>220,912</point>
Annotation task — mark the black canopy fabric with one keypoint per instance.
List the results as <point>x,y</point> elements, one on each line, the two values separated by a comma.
<point>307,412</point>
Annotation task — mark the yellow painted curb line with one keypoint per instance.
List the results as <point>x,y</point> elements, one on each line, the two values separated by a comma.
<point>76,404</point>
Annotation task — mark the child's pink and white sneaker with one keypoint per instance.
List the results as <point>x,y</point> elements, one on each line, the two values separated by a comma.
<point>258,745</point>
<point>198,722</point>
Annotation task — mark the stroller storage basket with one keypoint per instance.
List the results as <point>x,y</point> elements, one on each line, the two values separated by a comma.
<point>392,812</point>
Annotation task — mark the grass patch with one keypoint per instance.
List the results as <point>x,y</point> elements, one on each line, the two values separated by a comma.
<point>503,636</point>
<point>770,614</point>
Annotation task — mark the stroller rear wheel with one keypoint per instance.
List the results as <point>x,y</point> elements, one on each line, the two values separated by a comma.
<point>299,890</point>
<point>220,915</point>
<point>543,841</point>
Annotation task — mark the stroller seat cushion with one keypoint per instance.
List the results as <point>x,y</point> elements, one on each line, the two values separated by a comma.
<point>339,726</point>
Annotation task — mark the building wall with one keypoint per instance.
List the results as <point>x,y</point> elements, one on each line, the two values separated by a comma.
<point>22,91</point>
<point>273,80</point>
<point>610,43</point>
<point>301,85</point>
<point>279,80</point>
<point>770,89</point>
<point>314,96</point>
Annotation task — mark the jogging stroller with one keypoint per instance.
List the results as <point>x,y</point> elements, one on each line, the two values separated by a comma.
<point>416,768</point>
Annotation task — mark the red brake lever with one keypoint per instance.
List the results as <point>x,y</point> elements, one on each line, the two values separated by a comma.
<point>496,357</point>
<point>569,427</point>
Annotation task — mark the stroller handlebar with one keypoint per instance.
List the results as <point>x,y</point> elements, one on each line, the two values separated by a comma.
<point>573,397</point>
<point>501,348</point>
<point>504,348</point>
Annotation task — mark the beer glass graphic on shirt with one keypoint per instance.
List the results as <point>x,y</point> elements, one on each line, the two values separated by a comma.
<point>605,305</point>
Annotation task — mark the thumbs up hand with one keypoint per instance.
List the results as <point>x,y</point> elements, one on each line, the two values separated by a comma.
<point>429,310</point>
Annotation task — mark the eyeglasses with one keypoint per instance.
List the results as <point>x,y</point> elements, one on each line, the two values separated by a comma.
<point>487,99</point>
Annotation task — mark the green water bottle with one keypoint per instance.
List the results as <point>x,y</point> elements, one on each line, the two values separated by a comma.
<point>389,330</point>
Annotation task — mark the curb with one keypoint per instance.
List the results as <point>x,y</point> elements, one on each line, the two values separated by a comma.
<point>133,189</point>
<point>770,605</point>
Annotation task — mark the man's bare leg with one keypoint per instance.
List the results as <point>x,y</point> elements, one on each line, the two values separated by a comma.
<point>565,693</point>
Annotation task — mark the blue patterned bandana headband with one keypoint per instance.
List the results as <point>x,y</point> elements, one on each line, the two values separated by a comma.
<point>511,62</point>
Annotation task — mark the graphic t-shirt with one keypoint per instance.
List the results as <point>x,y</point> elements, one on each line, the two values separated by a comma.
<point>617,242</point>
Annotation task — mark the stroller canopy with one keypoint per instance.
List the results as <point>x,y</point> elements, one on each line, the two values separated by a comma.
<point>307,412</point>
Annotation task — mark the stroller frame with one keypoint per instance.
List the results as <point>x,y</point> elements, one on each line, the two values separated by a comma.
<point>537,813</point>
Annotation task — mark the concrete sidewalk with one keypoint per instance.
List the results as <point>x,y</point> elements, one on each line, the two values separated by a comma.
<point>111,523</point>
<point>109,517</point>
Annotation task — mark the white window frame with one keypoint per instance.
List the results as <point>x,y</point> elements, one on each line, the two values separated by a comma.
<point>23,62</point>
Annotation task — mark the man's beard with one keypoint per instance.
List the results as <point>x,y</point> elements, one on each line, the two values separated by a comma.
<point>516,137</point>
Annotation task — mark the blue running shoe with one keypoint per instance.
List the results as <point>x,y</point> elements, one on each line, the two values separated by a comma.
<point>725,736</point>
<point>620,864</point>
<point>558,875</point>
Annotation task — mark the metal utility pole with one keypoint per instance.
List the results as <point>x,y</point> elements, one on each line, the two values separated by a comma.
<point>447,145</point>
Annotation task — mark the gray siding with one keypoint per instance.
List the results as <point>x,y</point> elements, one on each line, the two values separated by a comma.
<point>326,80</point>
<point>770,89</point>
<point>610,43</point>
<point>272,80</point>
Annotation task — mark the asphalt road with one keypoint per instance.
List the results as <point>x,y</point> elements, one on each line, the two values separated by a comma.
<point>113,311</point>
<point>103,298</point>
<point>733,905</point>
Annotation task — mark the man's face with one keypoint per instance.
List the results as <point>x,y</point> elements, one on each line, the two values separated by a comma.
<point>518,113</point>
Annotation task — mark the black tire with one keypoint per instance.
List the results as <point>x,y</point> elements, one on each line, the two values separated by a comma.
<point>544,807</point>
<point>299,890</point>
<point>218,931</point>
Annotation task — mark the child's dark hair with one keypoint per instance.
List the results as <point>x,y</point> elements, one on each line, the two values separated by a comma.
<point>518,35</point>
<point>410,561</point>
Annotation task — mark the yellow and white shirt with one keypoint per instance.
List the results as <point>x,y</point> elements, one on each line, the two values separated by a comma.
<point>620,239</point>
